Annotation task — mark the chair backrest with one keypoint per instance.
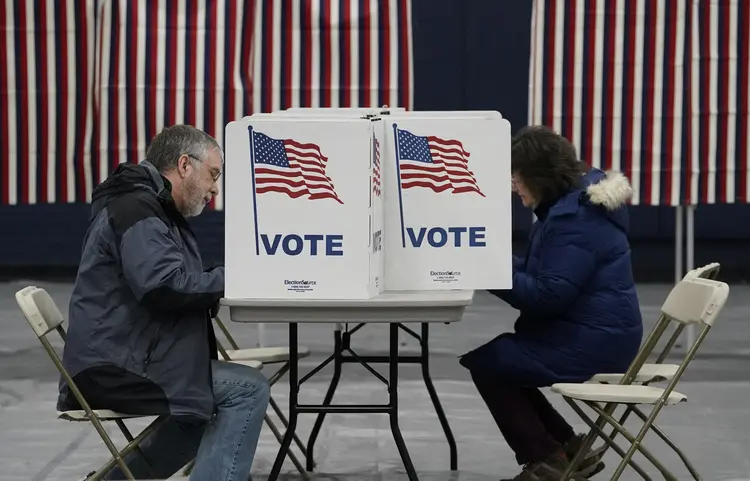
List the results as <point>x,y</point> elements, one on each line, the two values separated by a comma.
<point>693,300</point>
<point>39,309</point>
<point>43,316</point>
<point>709,271</point>
<point>696,300</point>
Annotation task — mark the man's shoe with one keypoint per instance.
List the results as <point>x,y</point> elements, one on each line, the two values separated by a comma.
<point>592,462</point>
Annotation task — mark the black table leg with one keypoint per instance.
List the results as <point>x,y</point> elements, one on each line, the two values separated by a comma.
<point>337,353</point>
<point>293,394</point>
<point>434,397</point>
<point>393,404</point>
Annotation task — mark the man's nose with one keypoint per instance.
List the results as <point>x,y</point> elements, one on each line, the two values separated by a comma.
<point>214,189</point>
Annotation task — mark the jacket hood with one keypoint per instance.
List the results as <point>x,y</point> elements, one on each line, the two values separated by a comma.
<point>610,190</point>
<point>128,178</point>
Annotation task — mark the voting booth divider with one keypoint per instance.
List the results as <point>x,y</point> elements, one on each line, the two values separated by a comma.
<point>348,203</point>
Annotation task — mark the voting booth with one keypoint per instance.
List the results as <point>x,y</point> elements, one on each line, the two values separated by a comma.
<point>448,203</point>
<point>437,213</point>
<point>304,208</point>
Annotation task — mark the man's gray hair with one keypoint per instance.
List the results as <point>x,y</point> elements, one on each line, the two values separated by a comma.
<point>178,140</point>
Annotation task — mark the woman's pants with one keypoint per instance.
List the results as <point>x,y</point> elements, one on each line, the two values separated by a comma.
<point>529,423</point>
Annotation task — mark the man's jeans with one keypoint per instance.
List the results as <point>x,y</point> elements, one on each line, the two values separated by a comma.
<point>223,448</point>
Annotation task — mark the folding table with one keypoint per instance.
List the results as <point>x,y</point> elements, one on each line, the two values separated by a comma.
<point>394,308</point>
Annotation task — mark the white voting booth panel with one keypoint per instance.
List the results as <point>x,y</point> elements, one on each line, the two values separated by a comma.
<point>342,110</point>
<point>450,226</point>
<point>448,202</point>
<point>303,216</point>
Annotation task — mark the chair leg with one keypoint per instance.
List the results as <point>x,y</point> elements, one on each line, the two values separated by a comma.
<point>613,434</point>
<point>670,443</point>
<point>588,441</point>
<point>189,468</point>
<point>117,456</point>
<point>137,449</point>
<point>635,445</point>
<point>596,429</point>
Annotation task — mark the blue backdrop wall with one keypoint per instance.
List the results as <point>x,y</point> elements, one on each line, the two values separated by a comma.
<point>467,55</point>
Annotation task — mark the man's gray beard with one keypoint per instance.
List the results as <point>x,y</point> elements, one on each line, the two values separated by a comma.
<point>193,198</point>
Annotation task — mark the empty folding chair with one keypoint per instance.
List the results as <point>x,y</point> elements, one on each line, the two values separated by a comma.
<point>694,300</point>
<point>43,316</point>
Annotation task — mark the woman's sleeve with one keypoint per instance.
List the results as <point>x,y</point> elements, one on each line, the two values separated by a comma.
<point>566,263</point>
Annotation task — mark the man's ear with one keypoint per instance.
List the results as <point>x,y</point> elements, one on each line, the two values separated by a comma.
<point>182,166</point>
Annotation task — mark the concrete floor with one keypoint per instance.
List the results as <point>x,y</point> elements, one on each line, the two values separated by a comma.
<point>713,427</point>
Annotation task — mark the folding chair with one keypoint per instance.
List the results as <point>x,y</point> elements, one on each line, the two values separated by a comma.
<point>654,372</point>
<point>694,300</point>
<point>43,316</point>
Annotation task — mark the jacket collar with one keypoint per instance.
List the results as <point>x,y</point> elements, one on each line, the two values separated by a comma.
<point>565,205</point>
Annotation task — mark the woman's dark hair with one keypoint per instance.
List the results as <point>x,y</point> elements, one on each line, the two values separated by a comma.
<point>546,162</point>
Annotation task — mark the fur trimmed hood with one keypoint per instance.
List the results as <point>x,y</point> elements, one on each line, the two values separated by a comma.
<point>611,192</point>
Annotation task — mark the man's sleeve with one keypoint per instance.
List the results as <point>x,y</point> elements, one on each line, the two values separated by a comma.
<point>154,266</point>
<point>566,263</point>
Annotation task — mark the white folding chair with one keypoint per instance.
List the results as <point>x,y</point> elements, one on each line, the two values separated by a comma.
<point>694,300</point>
<point>654,372</point>
<point>43,316</point>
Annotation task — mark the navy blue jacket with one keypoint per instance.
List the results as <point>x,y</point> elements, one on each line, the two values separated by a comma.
<point>579,312</point>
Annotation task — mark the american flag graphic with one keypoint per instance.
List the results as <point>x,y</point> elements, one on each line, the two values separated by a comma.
<point>289,167</point>
<point>375,166</point>
<point>655,88</point>
<point>434,163</point>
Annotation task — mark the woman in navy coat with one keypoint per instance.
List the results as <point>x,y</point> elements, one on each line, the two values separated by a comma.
<point>579,312</point>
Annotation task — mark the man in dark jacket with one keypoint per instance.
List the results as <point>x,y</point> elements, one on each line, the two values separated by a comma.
<point>140,339</point>
<point>579,312</point>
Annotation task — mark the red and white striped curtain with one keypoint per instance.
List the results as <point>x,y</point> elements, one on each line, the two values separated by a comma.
<point>92,81</point>
<point>655,88</point>
<point>46,107</point>
<point>333,53</point>
<point>165,62</point>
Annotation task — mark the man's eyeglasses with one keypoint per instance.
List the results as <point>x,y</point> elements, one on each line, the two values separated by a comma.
<point>215,173</point>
